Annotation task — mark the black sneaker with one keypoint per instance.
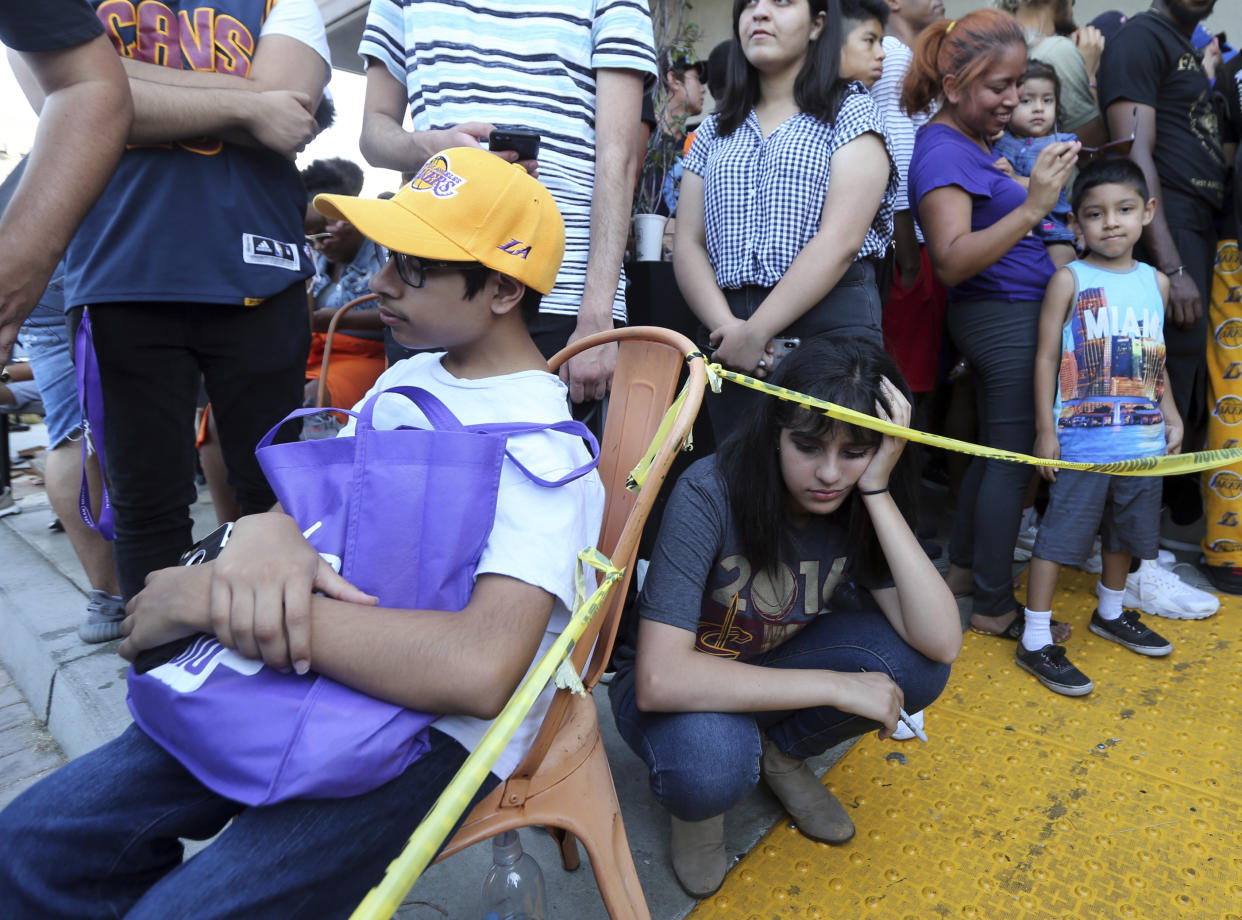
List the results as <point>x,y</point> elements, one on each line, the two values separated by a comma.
<point>1129,631</point>
<point>1225,579</point>
<point>1052,669</point>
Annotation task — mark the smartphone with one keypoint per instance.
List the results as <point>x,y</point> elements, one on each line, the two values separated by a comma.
<point>204,550</point>
<point>524,143</point>
<point>780,348</point>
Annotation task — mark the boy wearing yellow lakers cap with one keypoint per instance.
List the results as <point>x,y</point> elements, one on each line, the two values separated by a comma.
<point>473,241</point>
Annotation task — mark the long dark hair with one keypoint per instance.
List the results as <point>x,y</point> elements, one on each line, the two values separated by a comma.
<point>818,89</point>
<point>844,370</point>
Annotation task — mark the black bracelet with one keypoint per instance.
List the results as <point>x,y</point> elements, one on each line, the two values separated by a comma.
<point>873,491</point>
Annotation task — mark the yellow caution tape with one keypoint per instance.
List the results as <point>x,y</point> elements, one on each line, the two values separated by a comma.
<point>638,475</point>
<point>383,900</point>
<point>1170,465</point>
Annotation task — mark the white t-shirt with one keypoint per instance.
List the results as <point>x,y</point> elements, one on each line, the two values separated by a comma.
<point>538,531</point>
<point>301,20</point>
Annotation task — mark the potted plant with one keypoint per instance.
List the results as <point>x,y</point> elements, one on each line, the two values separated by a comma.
<point>675,37</point>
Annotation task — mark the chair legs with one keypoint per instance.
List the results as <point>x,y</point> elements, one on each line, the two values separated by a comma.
<point>567,843</point>
<point>603,834</point>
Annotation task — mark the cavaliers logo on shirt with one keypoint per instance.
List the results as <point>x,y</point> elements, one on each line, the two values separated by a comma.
<point>438,178</point>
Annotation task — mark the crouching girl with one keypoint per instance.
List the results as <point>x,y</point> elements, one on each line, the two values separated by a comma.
<point>788,607</point>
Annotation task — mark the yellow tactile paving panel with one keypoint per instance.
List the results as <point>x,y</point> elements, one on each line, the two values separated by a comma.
<point>1025,805</point>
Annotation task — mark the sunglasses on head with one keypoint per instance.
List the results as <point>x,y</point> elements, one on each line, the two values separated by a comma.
<point>413,269</point>
<point>1117,148</point>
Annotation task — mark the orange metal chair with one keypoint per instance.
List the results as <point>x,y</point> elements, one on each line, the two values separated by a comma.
<point>564,782</point>
<point>327,345</point>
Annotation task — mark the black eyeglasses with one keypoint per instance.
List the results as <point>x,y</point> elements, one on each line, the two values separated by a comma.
<point>1118,148</point>
<point>413,269</point>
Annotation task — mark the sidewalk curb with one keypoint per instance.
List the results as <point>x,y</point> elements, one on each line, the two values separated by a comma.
<point>77,689</point>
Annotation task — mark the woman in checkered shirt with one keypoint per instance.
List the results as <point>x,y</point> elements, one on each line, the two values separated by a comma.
<point>767,245</point>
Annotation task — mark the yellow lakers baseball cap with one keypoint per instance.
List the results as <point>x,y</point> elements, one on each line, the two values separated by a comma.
<point>466,205</point>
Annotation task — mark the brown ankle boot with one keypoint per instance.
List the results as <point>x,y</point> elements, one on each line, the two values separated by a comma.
<point>815,810</point>
<point>698,851</point>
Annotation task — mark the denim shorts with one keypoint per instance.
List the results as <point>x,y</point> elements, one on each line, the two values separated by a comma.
<point>1124,510</point>
<point>48,349</point>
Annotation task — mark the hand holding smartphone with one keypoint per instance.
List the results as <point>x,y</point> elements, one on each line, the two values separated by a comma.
<point>521,141</point>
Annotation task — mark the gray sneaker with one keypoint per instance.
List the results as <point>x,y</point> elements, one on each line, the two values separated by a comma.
<point>104,613</point>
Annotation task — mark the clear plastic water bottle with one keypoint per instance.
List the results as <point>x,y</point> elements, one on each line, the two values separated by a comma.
<point>513,887</point>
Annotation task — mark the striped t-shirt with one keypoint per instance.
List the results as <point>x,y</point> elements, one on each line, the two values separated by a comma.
<point>519,64</point>
<point>899,127</point>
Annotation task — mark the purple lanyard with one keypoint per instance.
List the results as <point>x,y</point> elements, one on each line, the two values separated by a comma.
<point>90,398</point>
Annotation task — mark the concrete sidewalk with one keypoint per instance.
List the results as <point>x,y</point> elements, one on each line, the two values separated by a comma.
<point>78,691</point>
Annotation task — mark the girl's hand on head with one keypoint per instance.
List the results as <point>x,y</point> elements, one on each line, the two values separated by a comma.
<point>889,452</point>
<point>1051,172</point>
<point>739,348</point>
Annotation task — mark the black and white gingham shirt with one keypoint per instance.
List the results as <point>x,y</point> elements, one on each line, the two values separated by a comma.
<point>763,197</point>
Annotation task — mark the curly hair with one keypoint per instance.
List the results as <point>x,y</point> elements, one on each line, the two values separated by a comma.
<point>337,176</point>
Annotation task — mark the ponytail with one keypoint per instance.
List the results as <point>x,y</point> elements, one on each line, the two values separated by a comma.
<point>964,47</point>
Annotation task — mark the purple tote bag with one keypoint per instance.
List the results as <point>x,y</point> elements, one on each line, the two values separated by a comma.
<point>403,514</point>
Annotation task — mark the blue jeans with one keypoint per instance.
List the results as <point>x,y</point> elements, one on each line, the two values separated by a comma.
<point>998,338</point>
<point>48,350</point>
<point>702,763</point>
<point>99,839</point>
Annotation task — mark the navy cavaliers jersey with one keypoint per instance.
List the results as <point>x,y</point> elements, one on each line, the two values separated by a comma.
<point>194,220</point>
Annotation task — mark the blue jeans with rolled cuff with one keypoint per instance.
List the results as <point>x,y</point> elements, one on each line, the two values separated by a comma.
<point>703,763</point>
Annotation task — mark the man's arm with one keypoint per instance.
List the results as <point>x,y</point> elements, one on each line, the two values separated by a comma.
<point>271,107</point>
<point>618,110</point>
<point>387,145</point>
<point>86,113</point>
<point>1185,306</point>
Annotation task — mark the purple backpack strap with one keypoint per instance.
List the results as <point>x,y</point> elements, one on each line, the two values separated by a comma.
<point>90,399</point>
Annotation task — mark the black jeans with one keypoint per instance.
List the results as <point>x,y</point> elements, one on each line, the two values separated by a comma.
<point>151,357</point>
<point>998,338</point>
<point>851,308</point>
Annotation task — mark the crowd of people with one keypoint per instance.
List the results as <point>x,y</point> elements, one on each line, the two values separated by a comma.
<point>1004,226</point>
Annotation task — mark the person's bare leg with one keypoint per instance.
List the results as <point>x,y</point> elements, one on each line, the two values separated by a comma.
<point>63,480</point>
<point>222,494</point>
<point>1042,583</point>
<point>1116,566</point>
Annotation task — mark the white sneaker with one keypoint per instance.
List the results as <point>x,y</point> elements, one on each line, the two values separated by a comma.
<point>1158,591</point>
<point>903,733</point>
<point>1028,529</point>
<point>7,505</point>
